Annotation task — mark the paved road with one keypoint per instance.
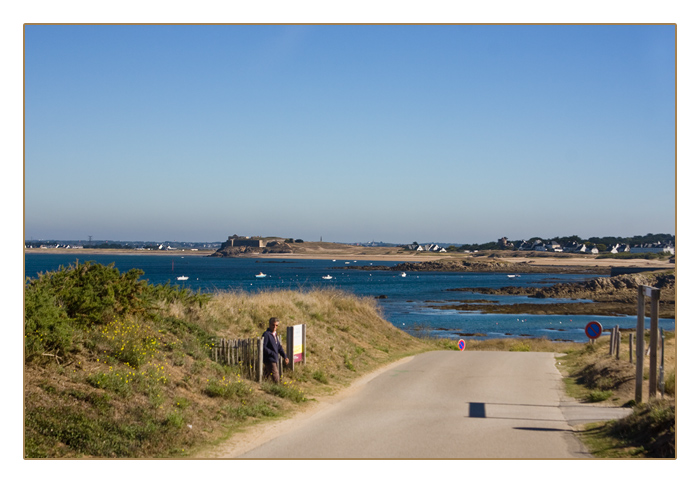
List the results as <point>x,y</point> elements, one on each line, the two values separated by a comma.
<point>444,405</point>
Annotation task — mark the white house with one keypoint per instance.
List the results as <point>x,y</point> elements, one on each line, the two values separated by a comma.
<point>553,247</point>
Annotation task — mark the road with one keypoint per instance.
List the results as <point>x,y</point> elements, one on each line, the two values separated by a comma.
<point>442,405</point>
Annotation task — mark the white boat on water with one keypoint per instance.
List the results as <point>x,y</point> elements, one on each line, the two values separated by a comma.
<point>261,275</point>
<point>513,276</point>
<point>326,277</point>
<point>182,277</point>
<point>403,274</point>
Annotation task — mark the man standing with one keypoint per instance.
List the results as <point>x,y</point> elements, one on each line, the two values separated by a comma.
<point>272,347</point>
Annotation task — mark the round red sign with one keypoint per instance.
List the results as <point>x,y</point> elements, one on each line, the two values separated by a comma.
<point>593,329</point>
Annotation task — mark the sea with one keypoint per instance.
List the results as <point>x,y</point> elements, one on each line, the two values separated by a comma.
<point>411,303</point>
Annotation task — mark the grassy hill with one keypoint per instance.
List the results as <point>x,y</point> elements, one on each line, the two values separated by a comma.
<point>115,367</point>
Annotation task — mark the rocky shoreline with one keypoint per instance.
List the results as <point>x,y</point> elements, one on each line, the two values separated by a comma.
<point>482,266</point>
<point>237,251</point>
<point>602,296</point>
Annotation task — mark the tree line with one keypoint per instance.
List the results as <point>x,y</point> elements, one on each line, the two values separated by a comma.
<point>600,242</point>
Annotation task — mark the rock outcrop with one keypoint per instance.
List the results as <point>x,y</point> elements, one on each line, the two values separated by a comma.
<point>609,296</point>
<point>243,251</point>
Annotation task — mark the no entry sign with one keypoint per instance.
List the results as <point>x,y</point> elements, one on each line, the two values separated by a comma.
<point>461,344</point>
<point>593,329</point>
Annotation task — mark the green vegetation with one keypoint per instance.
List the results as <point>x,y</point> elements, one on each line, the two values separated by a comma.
<point>602,243</point>
<point>116,367</point>
<point>520,347</point>
<point>649,432</point>
<point>597,395</point>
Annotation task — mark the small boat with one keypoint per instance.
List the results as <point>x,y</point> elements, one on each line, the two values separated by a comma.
<point>261,275</point>
<point>513,276</point>
<point>182,277</point>
<point>403,274</point>
<point>326,277</point>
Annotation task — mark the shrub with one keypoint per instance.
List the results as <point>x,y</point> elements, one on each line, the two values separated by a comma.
<point>285,390</point>
<point>47,327</point>
<point>129,342</point>
<point>320,376</point>
<point>651,426</point>
<point>60,305</point>
<point>226,389</point>
<point>520,347</point>
<point>348,363</point>
<point>598,395</point>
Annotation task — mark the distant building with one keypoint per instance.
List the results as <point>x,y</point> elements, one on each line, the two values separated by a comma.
<point>244,241</point>
<point>553,247</point>
<point>654,248</point>
<point>504,243</point>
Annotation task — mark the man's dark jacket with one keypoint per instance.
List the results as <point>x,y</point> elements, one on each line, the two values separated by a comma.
<point>271,347</point>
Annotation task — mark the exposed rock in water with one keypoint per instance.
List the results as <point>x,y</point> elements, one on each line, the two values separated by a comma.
<point>610,296</point>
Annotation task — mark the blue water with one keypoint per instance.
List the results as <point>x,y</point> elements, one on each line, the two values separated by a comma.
<point>408,299</point>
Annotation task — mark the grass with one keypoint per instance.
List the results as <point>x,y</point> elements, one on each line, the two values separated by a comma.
<point>133,378</point>
<point>591,375</point>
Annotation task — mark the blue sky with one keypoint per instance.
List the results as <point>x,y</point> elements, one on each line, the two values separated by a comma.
<point>453,133</point>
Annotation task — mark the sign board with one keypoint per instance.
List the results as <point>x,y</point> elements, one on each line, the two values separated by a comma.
<point>296,344</point>
<point>593,329</point>
<point>461,344</point>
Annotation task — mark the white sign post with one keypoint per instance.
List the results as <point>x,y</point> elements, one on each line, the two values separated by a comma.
<point>296,344</point>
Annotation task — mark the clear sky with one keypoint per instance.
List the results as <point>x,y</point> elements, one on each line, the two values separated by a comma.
<point>453,133</point>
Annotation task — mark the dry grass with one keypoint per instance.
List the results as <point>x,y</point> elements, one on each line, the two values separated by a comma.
<point>592,368</point>
<point>594,376</point>
<point>346,335</point>
<point>99,405</point>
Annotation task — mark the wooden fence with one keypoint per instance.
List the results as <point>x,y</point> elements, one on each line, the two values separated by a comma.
<point>243,353</point>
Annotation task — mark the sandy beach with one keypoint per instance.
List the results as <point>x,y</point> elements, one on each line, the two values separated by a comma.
<point>327,251</point>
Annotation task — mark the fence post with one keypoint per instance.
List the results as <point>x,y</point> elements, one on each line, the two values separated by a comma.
<point>290,346</point>
<point>631,350</point>
<point>653,341</point>
<point>618,340</point>
<point>260,360</point>
<point>640,345</point>
<point>662,385</point>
